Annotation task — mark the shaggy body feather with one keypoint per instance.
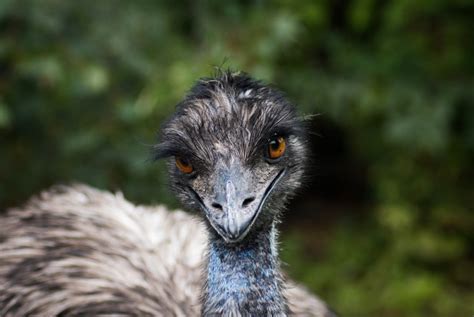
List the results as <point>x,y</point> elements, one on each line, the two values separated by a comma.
<point>81,251</point>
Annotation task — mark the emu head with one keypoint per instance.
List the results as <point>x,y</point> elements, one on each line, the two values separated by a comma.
<point>236,152</point>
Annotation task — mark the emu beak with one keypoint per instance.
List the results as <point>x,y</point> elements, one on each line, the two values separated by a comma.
<point>237,204</point>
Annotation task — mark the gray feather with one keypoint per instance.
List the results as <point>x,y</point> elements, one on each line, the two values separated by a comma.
<point>80,251</point>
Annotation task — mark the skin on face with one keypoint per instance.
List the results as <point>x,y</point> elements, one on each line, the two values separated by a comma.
<point>233,204</point>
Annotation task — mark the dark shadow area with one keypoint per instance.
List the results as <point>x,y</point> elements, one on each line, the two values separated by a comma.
<point>337,182</point>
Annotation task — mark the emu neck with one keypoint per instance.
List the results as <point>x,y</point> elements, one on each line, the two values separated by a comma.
<point>244,278</point>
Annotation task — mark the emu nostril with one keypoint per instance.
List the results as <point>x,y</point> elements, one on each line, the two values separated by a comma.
<point>217,206</point>
<point>247,201</point>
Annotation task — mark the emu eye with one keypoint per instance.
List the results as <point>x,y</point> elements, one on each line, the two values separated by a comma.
<point>276,147</point>
<point>183,165</point>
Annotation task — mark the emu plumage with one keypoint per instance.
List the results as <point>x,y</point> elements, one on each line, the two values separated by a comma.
<point>80,251</point>
<point>76,250</point>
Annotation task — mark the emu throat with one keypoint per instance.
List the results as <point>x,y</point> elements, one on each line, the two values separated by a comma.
<point>244,278</point>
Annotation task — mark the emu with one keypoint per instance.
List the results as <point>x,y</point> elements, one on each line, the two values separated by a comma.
<point>235,151</point>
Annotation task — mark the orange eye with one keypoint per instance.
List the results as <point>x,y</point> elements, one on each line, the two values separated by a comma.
<point>183,165</point>
<point>276,147</point>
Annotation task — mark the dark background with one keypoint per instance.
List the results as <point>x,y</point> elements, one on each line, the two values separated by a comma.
<point>385,227</point>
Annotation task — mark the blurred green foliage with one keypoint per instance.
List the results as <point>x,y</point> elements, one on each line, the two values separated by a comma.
<point>84,86</point>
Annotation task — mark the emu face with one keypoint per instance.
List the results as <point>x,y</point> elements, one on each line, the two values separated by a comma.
<point>236,152</point>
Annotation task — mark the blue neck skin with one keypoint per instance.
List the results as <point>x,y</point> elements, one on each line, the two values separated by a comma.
<point>244,278</point>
